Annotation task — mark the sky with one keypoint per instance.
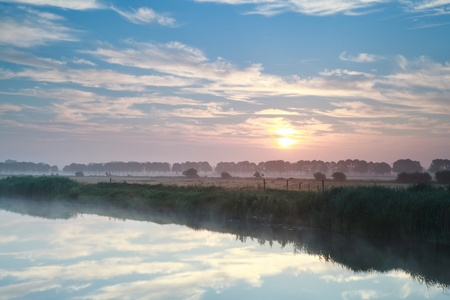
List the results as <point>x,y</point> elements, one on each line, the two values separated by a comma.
<point>224,80</point>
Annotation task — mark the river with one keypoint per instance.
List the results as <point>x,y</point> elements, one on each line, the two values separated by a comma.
<point>65,251</point>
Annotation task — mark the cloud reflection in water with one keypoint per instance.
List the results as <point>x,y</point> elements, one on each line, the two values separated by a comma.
<point>94,257</point>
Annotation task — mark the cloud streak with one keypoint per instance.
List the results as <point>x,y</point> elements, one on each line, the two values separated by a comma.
<point>361,58</point>
<point>75,5</point>
<point>145,15</point>
<point>33,30</point>
<point>314,8</point>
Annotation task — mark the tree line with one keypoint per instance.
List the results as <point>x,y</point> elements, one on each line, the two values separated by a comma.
<point>16,167</point>
<point>351,167</point>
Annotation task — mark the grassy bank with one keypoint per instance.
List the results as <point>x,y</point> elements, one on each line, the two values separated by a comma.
<point>420,212</point>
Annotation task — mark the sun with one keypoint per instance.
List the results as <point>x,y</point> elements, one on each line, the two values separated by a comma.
<point>286,142</point>
<point>286,135</point>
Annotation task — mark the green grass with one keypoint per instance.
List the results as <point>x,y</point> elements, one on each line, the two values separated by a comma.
<point>42,188</point>
<point>420,212</point>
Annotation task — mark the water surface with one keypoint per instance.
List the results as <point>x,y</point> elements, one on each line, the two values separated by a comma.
<point>73,255</point>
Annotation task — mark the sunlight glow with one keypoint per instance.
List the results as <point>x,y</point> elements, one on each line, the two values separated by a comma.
<point>289,136</point>
<point>286,131</point>
<point>286,142</point>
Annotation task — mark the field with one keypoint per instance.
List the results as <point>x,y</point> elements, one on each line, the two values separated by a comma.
<point>294,184</point>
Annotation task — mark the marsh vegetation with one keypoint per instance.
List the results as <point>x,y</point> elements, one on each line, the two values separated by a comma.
<point>419,212</point>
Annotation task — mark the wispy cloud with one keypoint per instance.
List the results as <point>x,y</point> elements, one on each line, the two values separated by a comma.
<point>358,109</point>
<point>75,5</point>
<point>107,79</point>
<point>273,111</point>
<point>28,59</point>
<point>421,72</point>
<point>82,61</point>
<point>9,107</point>
<point>32,32</point>
<point>361,58</point>
<point>315,8</point>
<point>436,7</point>
<point>145,15</point>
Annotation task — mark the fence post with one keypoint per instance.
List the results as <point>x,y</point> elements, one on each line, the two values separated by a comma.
<point>299,186</point>
<point>287,184</point>
<point>264,183</point>
<point>323,185</point>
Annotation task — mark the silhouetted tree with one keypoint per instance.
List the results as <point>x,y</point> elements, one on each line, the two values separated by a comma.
<point>416,177</point>
<point>381,168</point>
<point>225,167</point>
<point>406,166</point>
<point>339,176</point>
<point>439,165</point>
<point>191,173</point>
<point>342,166</point>
<point>177,168</point>
<point>319,176</point>
<point>257,175</point>
<point>443,176</point>
<point>225,175</point>
<point>361,167</point>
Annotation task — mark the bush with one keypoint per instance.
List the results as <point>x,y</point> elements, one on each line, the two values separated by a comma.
<point>319,176</point>
<point>413,177</point>
<point>79,174</point>
<point>339,176</point>
<point>257,175</point>
<point>225,175</point>
<point>443,177</point>
<point>191,173</point>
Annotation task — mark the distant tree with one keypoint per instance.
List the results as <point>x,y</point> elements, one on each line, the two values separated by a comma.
<point>225,167</point>
<point>443,176</point>
<point>342,166</point>
<point>339,176</point>
<point>439,165</point>
<point>317,166</point>
<point>381,168</point>
<point>406,166</point>
<point>319,176</point>
<point>276,166</point>
<point>416,177</point>
<point>361,167</point>
<point>204,166</point>
<point>177,168</point>
<point>191,173</point>
<point>257,175</point>
<point>79,174</point>
<point>225,175</point>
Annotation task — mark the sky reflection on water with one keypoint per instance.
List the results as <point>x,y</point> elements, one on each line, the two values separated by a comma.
<point>94,257</point>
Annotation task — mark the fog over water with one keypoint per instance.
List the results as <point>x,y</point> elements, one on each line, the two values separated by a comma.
<point>68,251</point>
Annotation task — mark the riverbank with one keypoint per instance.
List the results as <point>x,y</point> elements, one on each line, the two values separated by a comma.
<point>419,212</point>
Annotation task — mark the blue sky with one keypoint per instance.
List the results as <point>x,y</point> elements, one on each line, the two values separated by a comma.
<point>224,80</point>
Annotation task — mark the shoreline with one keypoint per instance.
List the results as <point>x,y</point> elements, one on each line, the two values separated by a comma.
<point>418,212</point>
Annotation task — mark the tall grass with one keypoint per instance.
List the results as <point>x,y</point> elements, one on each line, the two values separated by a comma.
<point>419,212</point>
<point>43,187</point>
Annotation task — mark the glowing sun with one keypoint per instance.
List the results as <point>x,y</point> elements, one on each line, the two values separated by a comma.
<point>286,142</point>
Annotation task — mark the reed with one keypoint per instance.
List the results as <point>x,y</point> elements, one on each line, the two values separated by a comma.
<point>420,212</point>
<point>43,187</point>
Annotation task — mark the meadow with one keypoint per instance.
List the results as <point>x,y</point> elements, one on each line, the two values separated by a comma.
<point>415,212</point>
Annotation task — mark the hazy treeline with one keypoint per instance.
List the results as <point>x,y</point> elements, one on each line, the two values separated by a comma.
<point>16,167</point>
<point>119,167</point>
<point>351,167</point>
